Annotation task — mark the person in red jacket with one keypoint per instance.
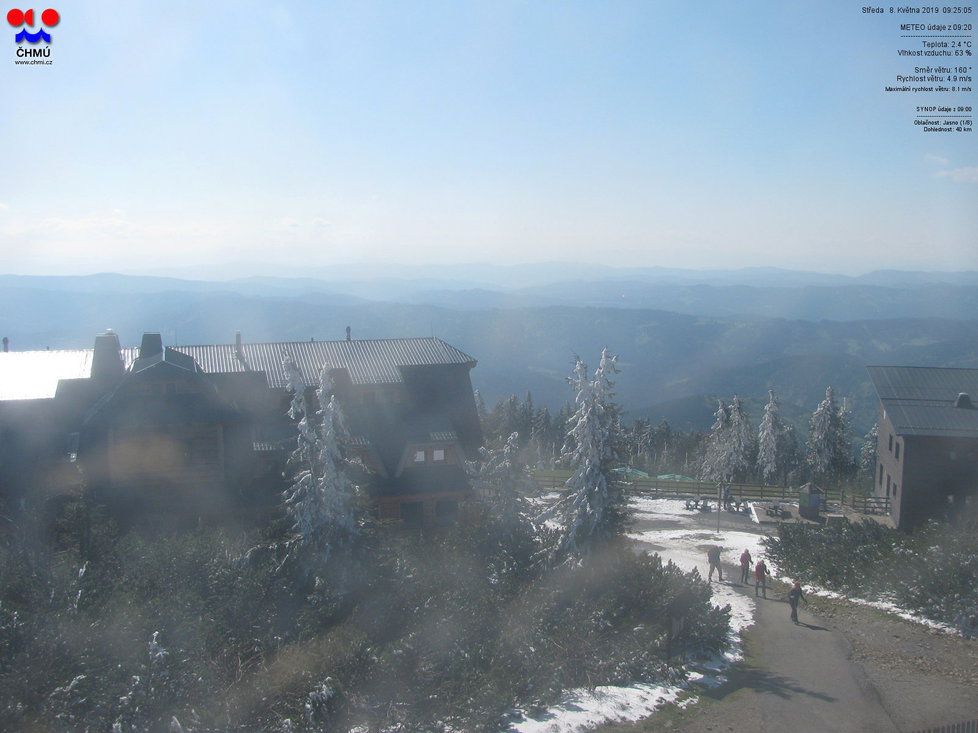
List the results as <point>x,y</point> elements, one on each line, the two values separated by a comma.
<point>745,562</point>
<point>760,577</point>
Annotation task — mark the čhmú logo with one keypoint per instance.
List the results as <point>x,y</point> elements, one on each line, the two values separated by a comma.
<point>18,18</point>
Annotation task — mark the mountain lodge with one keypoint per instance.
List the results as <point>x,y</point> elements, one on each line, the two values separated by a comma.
<point>204,429</point>
<point>928,441</point>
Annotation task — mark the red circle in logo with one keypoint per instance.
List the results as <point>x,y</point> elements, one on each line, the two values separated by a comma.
<point>15,17</point>
<point>50,17</point>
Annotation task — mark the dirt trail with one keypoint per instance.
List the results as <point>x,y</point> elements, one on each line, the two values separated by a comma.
<point>806,678</point>
<point>797,677</point>
<point>845,668</point>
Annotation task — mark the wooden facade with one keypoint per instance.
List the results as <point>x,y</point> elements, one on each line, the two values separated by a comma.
<point>204,429</point>
<point>927,443</point>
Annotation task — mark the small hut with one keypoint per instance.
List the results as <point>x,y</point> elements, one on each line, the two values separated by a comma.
<point>810,501</point>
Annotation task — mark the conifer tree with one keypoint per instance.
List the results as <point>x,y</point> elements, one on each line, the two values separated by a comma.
<point>321,502</point>
<point>505,481</point>
<point>829,455</point>
<point>868,457</point>
<point>743,446</point>
<point>597,507</point>
<point>480,408</point>
<point>772,441</point>
<point>716,463</point>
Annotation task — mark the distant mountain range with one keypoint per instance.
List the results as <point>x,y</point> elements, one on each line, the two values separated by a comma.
<point>757,292</point>
<point>714,340</point>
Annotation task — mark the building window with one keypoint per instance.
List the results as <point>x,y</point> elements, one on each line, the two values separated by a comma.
<point>419,456</point>
<point>438,455</point>
<point>412,512</point>
<point>204,451</point>
<point>897,451</point>
<point>894,489</point>
<point>887,484</point>
<point>446,511</point>
<point>881,474</point>
<point>891,443</point>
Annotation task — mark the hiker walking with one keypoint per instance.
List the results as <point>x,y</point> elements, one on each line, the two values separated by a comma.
<point>713,555</point>
<point>760,577</point>
<point>795,595</point>
<point>745,563</point>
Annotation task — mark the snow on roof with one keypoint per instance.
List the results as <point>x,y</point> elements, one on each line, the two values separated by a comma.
<point>35,374</point>
<point>29,375</point>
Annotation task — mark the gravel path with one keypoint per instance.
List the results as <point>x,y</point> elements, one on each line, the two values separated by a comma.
<point>795,677</point>
<point>844,668</point>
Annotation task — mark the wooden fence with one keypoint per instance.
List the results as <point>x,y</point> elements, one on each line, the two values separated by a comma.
<point>671,489</point>
<point>868,504</point>
<point>968,726</point>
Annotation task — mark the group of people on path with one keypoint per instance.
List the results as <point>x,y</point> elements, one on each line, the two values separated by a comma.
<point>761,574</point>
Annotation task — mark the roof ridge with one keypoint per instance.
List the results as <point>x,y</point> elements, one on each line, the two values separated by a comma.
<point>319,341</point>
<point>919,366</point>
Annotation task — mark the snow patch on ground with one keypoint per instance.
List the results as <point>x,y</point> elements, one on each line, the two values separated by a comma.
<point>881,606</point>
<point>666,509</point>
<point>547,498</point>
<point>581,710</point>
<point>687,549</point>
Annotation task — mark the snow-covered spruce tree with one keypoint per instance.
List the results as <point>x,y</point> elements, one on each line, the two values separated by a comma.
<point>772,438</point>
<point>829,456</point>
<point>505,481</point>
<point>596,507</point>
<point>480,408</point>
<point>716,458</point>
<point>868,457</point>
<point>540,442</point>
<point>743,445</point>
<point>322,500</point>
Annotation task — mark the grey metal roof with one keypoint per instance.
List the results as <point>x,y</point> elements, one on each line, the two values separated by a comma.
<point>31,375</point>
<point>35,374</point>
<point>920,400</point>
<point>367,361</point>
<point>914,418</point>
<point>923,383</point>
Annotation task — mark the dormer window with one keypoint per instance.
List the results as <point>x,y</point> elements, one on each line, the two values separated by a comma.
<point>438,455</point>
<point>419,456</point>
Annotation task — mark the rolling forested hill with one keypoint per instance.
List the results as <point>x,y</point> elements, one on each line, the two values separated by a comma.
<point>671,362</point>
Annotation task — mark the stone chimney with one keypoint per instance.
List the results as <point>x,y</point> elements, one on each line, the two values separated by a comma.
<point>107,357</point>
<point>964,401</point>
<point>239,351</point>
<point>151,345</point>
<point>348,336</point>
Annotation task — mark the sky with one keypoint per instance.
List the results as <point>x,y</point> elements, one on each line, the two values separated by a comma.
<point>169,136</point>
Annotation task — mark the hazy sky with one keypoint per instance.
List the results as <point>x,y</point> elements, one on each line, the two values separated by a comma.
<point>706,134</point>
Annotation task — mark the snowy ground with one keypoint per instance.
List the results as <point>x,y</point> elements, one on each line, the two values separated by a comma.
<point>892,608</point>
<point>677,534</point>
<point>665,526</point>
